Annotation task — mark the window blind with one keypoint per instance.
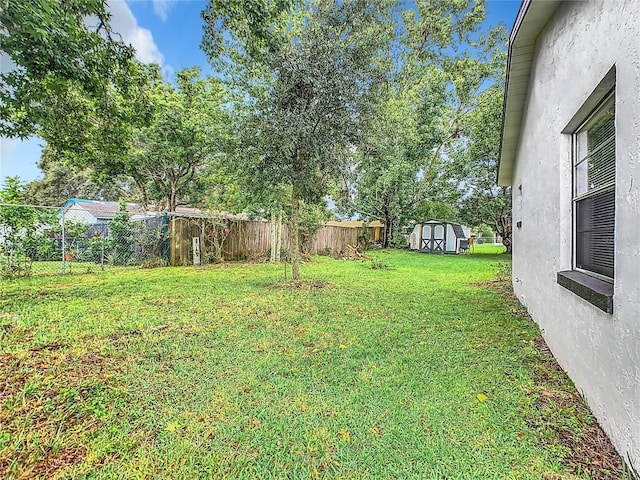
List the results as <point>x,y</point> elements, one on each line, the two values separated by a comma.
<point>595,172</point>
<point>595,224</point>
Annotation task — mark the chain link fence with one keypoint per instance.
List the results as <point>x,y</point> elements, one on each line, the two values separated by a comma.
<point>488,240</point>
<point>38,240</point>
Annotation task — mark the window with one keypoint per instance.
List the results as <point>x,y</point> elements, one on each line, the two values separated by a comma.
<point>594,192</point>
<point>592,131</point>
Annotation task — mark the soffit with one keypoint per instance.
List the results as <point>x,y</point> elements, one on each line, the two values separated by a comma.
<point>531,20</point>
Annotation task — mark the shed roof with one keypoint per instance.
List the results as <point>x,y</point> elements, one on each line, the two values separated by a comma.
<point>436,220</point>
<point>532,18</point>
<point>458,228</point>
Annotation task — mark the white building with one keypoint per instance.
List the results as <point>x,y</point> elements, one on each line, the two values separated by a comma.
<point>437,236</point>
<point>98,212</point>
<point>571,150</point>
<point>95,212</point>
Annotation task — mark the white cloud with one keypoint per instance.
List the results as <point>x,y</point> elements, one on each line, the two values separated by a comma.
<point>162,7</point>
<point>168,71</point>
<point>126,24</point>
<point>7,146</point>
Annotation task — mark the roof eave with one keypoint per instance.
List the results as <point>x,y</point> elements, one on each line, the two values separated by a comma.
<point>531,20</point>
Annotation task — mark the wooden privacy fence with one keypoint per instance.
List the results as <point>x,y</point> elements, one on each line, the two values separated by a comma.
<point>251,239</point>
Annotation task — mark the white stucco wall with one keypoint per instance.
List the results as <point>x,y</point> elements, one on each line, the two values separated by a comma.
<point>78,215</point>
<point>600,352</point>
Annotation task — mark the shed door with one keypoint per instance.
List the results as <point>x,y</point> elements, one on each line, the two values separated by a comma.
<point>439,239</point>
<point>433,239</point>
<point>426,239</point>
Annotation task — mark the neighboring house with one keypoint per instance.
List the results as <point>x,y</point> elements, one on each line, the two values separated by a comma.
<point>96,212</point>
<point>571,151</point>
<point>438,236</point>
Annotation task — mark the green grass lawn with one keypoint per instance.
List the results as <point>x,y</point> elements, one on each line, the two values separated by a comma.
<point>485,248</point>
<point>421,370</point>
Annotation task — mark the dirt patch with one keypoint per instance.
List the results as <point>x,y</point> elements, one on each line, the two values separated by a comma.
<point>56,464</point>
<point>50,346</point>
<point>590,452</point>
<point>308,285</point>
<point>49,398</point>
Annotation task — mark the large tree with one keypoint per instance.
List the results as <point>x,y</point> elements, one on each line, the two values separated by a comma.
<point>73,82</point>
<point>476,166</point>
<point>63,181</point>
<point>310,74</point>
<point>188,137</point>
<point>447,62</point>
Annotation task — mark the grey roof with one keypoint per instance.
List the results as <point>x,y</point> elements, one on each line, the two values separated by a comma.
<point>104,210</point>
<point>457,229</point>
<point>107,210</point>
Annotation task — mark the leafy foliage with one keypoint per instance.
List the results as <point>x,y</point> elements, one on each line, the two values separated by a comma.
<point>63,181</point>
<point>18,226</point>
<point>189,131</point>
<point>121,237</point>
<point>476,167</point>
<point>308,76</point>
<point>74,84</point>
<point>404,169</point>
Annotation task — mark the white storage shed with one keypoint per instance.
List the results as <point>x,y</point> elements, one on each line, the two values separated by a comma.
<point>438,236</point>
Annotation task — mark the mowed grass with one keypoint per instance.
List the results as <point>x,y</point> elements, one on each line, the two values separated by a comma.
<point>486,248</point>
<point>419,370</point>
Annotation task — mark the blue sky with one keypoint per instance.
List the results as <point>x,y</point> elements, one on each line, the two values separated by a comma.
<point>167,32</point>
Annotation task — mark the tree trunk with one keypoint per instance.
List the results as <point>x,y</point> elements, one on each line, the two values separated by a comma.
<point>295,231</point>
<point>388,227</point>
<point>172,200</point>
<point>143,192</point>
<point>279,236</point>
<point>503,228</point>
<point>274,229</point>
<point>508,245</point>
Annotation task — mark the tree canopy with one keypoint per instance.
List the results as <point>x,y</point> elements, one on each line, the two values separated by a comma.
<point>189,133</point>
<point>74,83</point>
<point>405,167</point>
<point>392,107</point>
<point>310,80</point>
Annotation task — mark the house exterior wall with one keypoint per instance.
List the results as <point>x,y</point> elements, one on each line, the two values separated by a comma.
<point>77,214</point>
<point>600,351</point>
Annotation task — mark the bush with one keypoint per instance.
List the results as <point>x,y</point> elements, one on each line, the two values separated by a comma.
<point>121,241</point>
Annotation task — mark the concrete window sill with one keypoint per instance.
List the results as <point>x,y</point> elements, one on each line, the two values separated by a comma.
<point>593,290</point>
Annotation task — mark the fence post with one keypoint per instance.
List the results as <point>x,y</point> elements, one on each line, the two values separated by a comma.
<point>165,233</point>
<point>64,242</point>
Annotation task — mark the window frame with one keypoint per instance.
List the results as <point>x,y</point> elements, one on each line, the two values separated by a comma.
<point>603,105</point>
